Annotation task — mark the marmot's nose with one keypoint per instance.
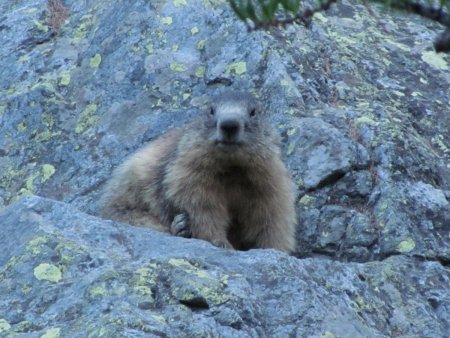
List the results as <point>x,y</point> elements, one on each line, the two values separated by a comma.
<point>230,129</point>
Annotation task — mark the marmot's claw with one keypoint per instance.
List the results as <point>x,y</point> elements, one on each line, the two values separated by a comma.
<point>180,226</point>
<point>224,244</point>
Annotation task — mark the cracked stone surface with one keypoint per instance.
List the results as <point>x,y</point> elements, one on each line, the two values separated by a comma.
<point>70,274</point>
<point>361,102</point>
<point>364,129</point>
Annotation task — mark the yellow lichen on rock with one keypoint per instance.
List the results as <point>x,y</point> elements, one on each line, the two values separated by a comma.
<point>48,272</point>
<point>406,246</point>
<point>64,78</point>
<point>167,20</point>
<point>201,44</point>
<point>435,60</point>
<point>177,67</point>
<point>87,21</point>
<point>194,30</point>
<point>200,71</point>
<point>95,61</point>
<point>54,332</point>
<point>47,171</point>
<point>237,68</point>
<point>4,325</point>
<point>327,334</point>
<point>87,118</point>
<point>307,200</point>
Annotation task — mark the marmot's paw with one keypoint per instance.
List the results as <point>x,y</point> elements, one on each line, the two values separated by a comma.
<point>180,226</point>
<point>222,243</point>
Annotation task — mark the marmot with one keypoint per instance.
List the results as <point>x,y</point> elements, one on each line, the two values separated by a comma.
<point>220,178</point>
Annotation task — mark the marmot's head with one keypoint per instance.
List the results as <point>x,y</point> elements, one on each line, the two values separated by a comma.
<point>234,119</point>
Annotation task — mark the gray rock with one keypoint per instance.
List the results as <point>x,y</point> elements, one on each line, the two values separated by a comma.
<point>322,154</point>
<point>362,128</point>
<point>70,274</point>
<point>365,136</point>
<point>427,197</point>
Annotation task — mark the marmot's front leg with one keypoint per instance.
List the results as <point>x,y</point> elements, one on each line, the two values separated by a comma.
<point>271,228</point>
<point>211,225</point>
<point>181,227</point>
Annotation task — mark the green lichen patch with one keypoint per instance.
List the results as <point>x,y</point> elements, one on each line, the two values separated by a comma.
<point>40,26</point>
<point>24,58</point>
<point>237,68</point>
<point>22,126</point>
<point>95,61</point>
<point>145,291</point>
<point>292,131</point>
<point>200,71</point>
<point>194,30</point>
<point>201,44</point>
<point>179,3</point>
<point>80,33</point>
<point>406,246</point>
<point>46,81</point>
<point>97,291</point>
<point>291,148</point>
<point>31,10</point>
<point>9,175</point>
<point>88,118</point>
<point>435,60</point>
<point>26,288</point>
<point>327,334</point>
<point>54,332</point>
<point>299,181</point>
<point>188,267</point>
<point>177,67</point>
<point>365,120</point>
<point>383,205</point>
<point>4,325</point>
<point>319,16</point>
<point>307,200</point>
<point>29,187</point>
<point>196,287</point>
<point>64,78</point>
<point>200,294</point>
<point>398,93</point>
<point>439,141</point>
<point>34,246</point>
<point>212,3</point>
<point>25,327</point>
<point>46,135</point>
<point>143,281</point>
<point>48,272</point>
<point>167,20</point>
<point>47,171</point>
<point>149,48</point>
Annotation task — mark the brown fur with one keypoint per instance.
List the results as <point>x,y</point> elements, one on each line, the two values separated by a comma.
<point>227,177</point>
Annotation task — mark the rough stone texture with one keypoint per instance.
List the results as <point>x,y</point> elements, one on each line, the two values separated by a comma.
<point>67,272</point>
<point>362,103</point>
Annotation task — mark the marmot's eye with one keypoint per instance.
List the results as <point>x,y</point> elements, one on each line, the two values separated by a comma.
<point>212,112</point>
<point>253,112</point>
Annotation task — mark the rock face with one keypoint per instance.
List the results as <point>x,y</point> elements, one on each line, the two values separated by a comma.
<point>366,129</point>
<point>362,103</point>
<point>74,275</point>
